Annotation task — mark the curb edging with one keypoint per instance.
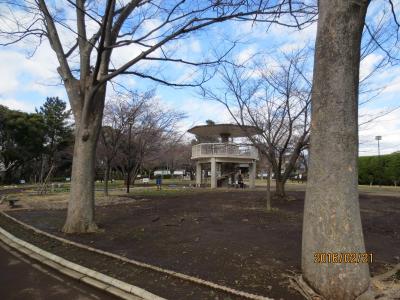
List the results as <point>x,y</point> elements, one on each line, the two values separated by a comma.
<point>91,277</point>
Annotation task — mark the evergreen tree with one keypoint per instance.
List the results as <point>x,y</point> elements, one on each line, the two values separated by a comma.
<point>21,143</point>
<point>58,136</point>
<point>58,130</point>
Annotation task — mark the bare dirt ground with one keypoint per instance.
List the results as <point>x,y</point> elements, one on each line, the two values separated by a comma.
<point>225,236</point>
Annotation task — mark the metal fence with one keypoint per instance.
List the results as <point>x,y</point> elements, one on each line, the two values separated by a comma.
<point>224,150</point>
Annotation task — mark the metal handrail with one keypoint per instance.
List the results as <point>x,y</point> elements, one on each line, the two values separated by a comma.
<point>224,150</point>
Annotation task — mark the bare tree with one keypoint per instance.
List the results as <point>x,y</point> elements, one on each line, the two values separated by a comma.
<point>177,156</point>
<point>332,222</point>
<point>146,138</point>
<point>120,111</point>
<point>276,100</point>
<point>100,28</point>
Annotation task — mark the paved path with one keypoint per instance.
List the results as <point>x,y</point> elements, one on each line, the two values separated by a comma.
<point>23,279</point>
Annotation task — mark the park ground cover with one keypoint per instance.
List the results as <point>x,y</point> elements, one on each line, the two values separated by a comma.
<point>224,236</point>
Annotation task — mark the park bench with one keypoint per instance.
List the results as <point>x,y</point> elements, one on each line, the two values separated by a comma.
<point>11,201</point>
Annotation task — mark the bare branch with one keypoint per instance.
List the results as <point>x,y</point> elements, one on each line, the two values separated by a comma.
<point>159,80</point>
<point>55,42</point>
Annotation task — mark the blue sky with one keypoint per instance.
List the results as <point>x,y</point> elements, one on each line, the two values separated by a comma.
<point>25,82</point>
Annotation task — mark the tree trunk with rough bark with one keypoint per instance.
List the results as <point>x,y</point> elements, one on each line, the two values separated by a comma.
<point>80,213</point>
<point>332,222</point>
<point>280,188</point>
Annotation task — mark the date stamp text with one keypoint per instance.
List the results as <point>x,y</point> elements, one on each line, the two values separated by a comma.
<point>338,258</point>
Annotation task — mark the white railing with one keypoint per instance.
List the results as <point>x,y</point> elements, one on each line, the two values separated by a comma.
<point>224,150</point>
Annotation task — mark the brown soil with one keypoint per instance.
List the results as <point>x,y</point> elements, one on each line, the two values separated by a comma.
<point>160,284</point>
<point>223,236</point>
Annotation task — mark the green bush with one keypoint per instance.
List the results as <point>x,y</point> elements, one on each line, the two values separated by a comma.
<point>382,170</point>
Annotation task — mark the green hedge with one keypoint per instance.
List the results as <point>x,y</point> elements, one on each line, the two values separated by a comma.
<point>382,170</point>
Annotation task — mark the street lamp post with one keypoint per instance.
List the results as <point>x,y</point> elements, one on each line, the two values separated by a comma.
<point>378,138</point>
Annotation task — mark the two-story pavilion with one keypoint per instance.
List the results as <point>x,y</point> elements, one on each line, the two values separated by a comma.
<point>224,155</point>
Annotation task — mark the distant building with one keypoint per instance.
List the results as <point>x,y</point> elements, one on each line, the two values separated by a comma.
<point>162,172</point>
<point>179,173</point>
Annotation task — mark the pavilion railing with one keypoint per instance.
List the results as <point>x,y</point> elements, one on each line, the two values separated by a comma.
<point>224,150</point>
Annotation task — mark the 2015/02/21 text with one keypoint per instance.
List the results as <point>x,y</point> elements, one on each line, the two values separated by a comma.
<point>338,257</point>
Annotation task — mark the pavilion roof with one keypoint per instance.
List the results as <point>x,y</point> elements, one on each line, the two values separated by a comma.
<point>232,130</point>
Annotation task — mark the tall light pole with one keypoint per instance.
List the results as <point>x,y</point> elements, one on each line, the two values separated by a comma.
<point>378,138</point>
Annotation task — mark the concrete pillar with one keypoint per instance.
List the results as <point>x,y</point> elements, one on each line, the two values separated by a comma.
<point>252,175</point>
<point>198,174</point>
<point>213,173</point>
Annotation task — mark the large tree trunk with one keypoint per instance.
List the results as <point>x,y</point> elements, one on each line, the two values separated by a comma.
<point>80,217</point>
<point>128,181</point>
<point>332,222</point>
<point>280,187</point>
<point>80,214</point>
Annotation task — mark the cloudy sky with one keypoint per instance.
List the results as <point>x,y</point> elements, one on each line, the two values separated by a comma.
<point>28,76</point>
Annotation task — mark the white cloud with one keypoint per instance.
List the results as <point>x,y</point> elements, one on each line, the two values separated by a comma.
<point>251,30</point>
<point>21,73</point>
<point>195,46</point>
<point>199,111</point>
<point>245,55</point>
<point>393,86</point>
<point>290,47</point>
<point>17,105</point>
<point>124,54</point>
<point>151,24</point>
<point>368,64</point>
